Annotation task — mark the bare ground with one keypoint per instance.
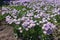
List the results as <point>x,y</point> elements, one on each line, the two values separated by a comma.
<point>6,33</point>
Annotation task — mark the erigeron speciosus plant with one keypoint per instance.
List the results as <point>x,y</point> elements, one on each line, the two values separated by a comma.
<point>41,19</point>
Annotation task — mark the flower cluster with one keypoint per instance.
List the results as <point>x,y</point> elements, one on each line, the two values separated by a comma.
<point>48,27</point>
<point>12,15</point>
<point>42,12</point>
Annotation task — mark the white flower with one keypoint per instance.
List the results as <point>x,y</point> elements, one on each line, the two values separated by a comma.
<point>37,23</point>
<point>45,8</point>
<point>55,14</point>
<point>55,21</point>
<point>44,20</point>
<point>19,28</point>
<point>44,32</point>
<point>43,27</point>
<point>40,22</point>
<point>18,19</point>
<point>21,31</point>
<point>27,29</point>
<point>48,18</point>
<point>52,15</point>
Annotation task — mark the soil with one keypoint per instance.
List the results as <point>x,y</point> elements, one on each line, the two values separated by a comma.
<point>6,33</point>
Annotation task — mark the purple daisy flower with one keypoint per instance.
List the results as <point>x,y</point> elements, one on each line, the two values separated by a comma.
<point>48,27</point>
